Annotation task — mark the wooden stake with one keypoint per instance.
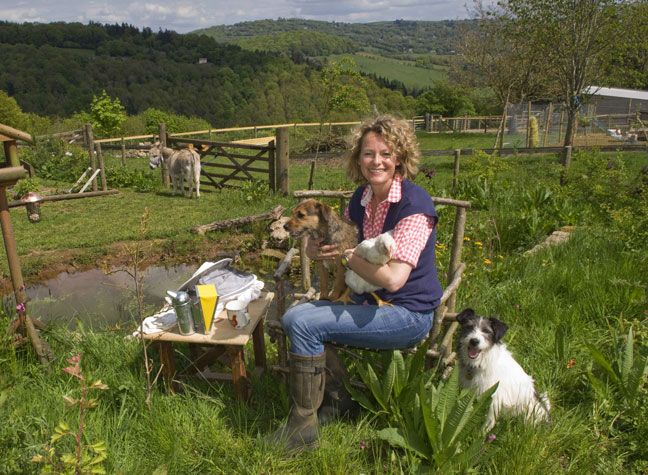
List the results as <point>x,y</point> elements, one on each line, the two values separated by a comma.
<point>283,155</point>
<point>455,170</point>
<point>104,186</point>
<point>91,150</point>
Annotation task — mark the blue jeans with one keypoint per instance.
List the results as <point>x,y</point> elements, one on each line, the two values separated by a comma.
<point>310,325</point>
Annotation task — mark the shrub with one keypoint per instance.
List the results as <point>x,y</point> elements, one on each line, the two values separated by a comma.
<point>54,160</point>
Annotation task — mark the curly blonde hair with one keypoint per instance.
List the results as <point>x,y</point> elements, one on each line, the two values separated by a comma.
<point>400,137</point>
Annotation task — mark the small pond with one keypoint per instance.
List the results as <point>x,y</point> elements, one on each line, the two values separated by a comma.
<point>101,300</point>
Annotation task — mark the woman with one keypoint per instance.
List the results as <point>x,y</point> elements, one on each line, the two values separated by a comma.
<point>383,160</point>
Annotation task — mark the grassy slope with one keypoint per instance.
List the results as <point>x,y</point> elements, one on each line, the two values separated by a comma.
<point>206,430</point>
<point>399,70</point>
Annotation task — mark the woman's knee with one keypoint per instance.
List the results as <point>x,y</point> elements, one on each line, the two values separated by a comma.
<point>295,318</point>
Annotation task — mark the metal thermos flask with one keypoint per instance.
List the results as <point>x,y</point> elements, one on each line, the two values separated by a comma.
<point>182,305</point>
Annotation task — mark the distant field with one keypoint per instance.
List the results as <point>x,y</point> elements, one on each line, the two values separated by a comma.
<point>400,70</point>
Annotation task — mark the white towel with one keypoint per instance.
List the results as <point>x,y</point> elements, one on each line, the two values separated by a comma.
<point>166,317</point>
<point>163,320</point>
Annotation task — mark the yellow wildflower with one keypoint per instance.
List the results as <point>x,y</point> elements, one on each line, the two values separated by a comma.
<point>478,244</point>
<point>488,262</point>
<point>466,238</point>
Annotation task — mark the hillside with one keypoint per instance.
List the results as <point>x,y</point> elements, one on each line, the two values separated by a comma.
<point>386,38</point>
<point>55,69</point>
<point>412,54</point>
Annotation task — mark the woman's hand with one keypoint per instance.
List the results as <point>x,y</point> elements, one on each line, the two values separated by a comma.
<point>319,252</point>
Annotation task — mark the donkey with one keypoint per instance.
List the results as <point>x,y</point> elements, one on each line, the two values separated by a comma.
<point>181,164</point>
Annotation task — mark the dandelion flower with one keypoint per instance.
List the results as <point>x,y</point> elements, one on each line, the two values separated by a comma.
<point>488,262</point>
<point>466,238</point>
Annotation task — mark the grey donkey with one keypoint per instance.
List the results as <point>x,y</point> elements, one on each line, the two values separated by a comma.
<point>181,164</point>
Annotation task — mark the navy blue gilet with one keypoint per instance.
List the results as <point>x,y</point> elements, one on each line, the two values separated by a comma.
<point>422,291</point>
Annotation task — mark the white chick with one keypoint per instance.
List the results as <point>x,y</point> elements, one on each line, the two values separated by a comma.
<point>376,250</point>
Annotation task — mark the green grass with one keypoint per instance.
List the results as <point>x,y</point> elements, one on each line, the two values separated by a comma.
<point>399,70</point>
<point>589,289</point>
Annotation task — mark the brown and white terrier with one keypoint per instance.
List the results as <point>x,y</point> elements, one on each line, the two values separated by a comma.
<point>318,220</point>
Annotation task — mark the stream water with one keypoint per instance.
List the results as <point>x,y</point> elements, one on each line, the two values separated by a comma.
<point>100,300</point>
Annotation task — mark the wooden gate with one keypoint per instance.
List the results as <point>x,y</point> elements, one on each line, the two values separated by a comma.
<point>230,164</point>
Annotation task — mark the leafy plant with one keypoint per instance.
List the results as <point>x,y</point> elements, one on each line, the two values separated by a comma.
<point>396,388</point>
<point>141,181</point>
<point>86,458</point>
<point>55,160</point>
<point>443,426</point>
<point>108,114</point>
<point>625,373</point>
<point>25,186</point>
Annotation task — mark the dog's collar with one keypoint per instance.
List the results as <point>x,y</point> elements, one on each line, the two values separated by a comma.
<point>469,372</point>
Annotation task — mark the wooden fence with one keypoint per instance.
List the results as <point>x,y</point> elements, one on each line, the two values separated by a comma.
<point>230,164</point>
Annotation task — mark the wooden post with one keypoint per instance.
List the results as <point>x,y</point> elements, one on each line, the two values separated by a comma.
<point>560,127</point>
<point>11,153</point>
<point>104,186</point>
<point>91,150</point>
<point>528,127</point>
<point>283,155</point>
<point>455,170</point>
<point>123,152</point>
<point>311,177</point>
<point>166,179</point>
<point>455,262</point>
<point>304,262</point>
<point>428,122</point>
<point>566,161</point>
<point>272,167</point>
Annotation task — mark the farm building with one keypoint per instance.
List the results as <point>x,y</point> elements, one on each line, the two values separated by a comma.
<point>612,100</point>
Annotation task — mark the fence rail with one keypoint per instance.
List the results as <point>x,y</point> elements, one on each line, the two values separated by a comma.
<point>537,150</point>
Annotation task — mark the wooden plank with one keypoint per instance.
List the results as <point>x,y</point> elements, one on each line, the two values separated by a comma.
<point>205,158</point>
<point>239,374</point>
<point>132,137</point>
<point>232,167</point>
<point>216,144</point>
<point>256,141</point>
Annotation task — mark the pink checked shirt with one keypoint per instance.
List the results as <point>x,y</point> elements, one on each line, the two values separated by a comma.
<point>411,233</point>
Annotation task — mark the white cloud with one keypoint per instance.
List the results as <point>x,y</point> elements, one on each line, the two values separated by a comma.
<point>184,16</point>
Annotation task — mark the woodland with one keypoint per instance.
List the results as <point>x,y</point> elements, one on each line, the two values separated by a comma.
<point>55,69</point>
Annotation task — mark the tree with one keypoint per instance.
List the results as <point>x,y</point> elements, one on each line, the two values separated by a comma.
<point>492,56</point>
<point>343,89</point>
<point>629,62</point>
<point>572,40</point>
<point>108,114</point>
<point>447,99</point>
<point>10,112</point>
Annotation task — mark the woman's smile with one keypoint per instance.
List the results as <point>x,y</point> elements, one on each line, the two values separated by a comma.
<point>377,163</point>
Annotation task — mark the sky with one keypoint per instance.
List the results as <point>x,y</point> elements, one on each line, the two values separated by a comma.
<point>184,16</point>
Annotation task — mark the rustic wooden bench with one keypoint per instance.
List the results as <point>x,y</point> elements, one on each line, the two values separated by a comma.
<point>438,341</point>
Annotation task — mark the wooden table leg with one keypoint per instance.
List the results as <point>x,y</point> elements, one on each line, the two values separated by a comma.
<point>239,374</point>
<point>165,349</point>
<point>258,340</point>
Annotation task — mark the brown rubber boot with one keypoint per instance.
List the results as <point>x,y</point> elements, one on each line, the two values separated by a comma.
<point>307,380</point>
<point>337,400</point>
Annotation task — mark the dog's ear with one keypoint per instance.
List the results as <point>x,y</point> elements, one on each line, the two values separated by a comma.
<point>324,210</point>
<point>499,328</point>
<point>465,315</point>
